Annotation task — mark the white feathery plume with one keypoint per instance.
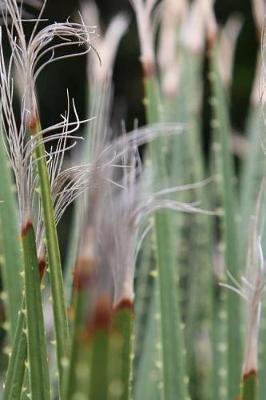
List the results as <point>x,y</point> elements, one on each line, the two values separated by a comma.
<point>26,59</point>
<point>17,147</point>
<point>106,44</point>
<point>117,218</point>
<point>20,148</point>
<point>29,57</point>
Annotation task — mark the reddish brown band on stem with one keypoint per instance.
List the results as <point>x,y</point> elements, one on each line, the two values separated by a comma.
<point>26,228</point>
<point>83,274</point>
<point>42,267</point>
<point>250,374</point>
<point>148,69</point>
<point>32,124</point>
<point>99,321</point>
<point>102,315</point>
<point>211,40</point>
<point>124,304</point>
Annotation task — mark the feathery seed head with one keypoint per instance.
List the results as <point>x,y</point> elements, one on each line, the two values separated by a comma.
<point>26,60</point>
<point>117,216</point>
<point>29,57</point>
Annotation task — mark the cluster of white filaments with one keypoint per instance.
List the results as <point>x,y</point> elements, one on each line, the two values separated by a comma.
<point>25,61</point>
<point>30,57</point>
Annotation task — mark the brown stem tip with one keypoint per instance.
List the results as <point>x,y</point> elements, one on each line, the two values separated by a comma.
<point>32,123</point>
<point>252,373</point>
<point>83,274</point>
<point>124,304</point>
<point>149,69</point>
<point>98,321</point>
<point>42,267</point>
<point>26,228</point>
<point>211,40</point>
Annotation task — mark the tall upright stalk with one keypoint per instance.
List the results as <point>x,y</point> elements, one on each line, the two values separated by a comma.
<point>174,383</point>
<point>221,127</point>
<point>16,366</point>
<point>54,260</point>
<point>13,262</point>
<point>36,345</point>
<point>122,323</point>
<point>249,388</point>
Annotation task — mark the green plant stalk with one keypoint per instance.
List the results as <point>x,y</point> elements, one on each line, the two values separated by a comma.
<point>262,355</point>
<point>253,171</point>
<point>72,383</point>
<point>26,387</point>
<point>219,334</point>
<point>198,310</point>
<point>219,345</point>
<point>36,344</point>
<point>99,364</point>
<point>174,385</point>
<point>13,265</point>
<point>146,328</point>
<point>148,374</point>
<point>221,128</point>
<point>115,390</point>
<point>16,366</point>
<point>122,324</point>
<point>54,261</point>
<point>72,250</point>
<point>143,294</point>
<point>249,388</point>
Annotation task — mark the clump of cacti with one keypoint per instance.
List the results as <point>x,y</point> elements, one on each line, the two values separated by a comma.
<point>163,245</point>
